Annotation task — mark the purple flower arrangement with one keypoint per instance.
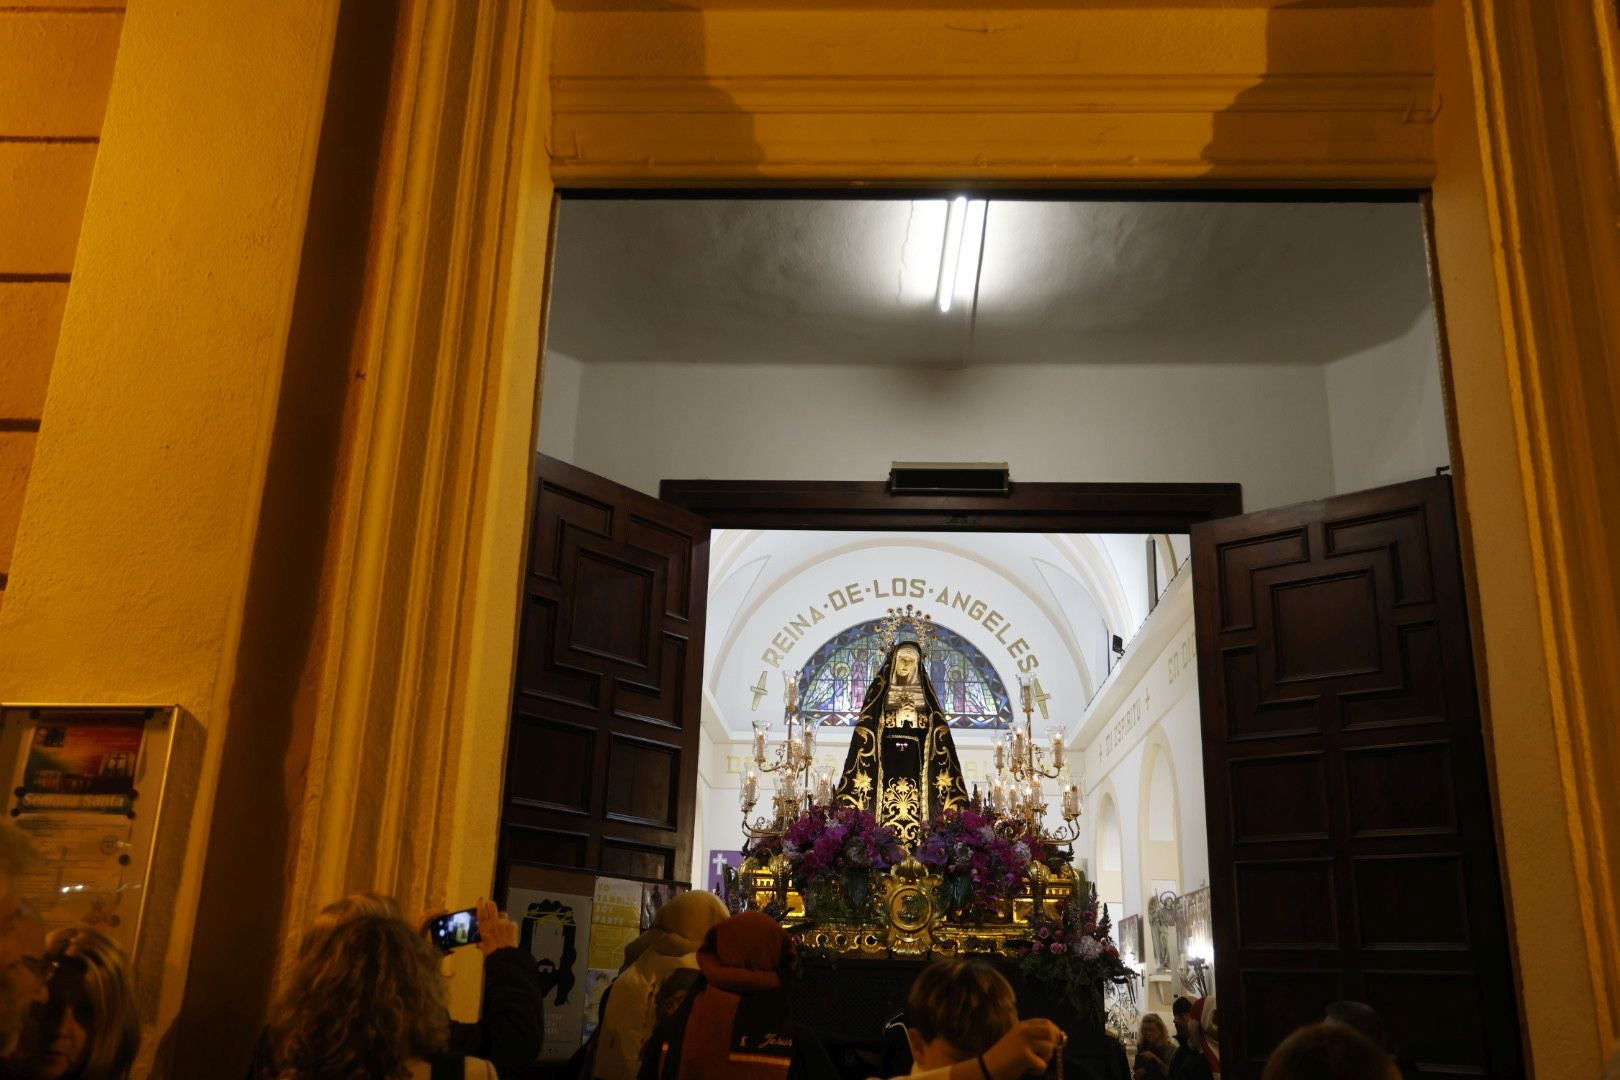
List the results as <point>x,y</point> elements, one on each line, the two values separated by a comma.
<point>833,854</point>
<point>981,857</point>
<point>1074,952</point>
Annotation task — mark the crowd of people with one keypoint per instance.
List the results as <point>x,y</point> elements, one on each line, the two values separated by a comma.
<point>702,993</point>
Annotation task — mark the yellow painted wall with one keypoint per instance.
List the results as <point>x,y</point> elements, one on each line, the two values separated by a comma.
<point>56,68</point>
<point>165,552</point>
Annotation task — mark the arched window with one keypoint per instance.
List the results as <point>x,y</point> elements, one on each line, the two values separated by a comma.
<point>836,677</point>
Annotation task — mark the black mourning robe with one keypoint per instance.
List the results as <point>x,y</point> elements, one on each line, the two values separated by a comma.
<point>904,775</point>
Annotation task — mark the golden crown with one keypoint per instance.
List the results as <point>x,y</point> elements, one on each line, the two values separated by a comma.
<point>890,626</point>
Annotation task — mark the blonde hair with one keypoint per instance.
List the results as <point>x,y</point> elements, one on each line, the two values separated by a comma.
<point>967,1002</point>
<point>103,1002</point>
<point>364,997</point>
<point>1158,1021</point>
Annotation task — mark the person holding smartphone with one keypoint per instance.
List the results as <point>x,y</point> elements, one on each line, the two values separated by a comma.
<point>510,1031</point>
<point>365,997</point>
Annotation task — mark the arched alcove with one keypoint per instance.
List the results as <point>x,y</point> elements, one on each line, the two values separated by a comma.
<point>1110,848</point>
<point>1159,835</point>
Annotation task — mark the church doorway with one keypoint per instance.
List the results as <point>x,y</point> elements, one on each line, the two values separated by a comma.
<point>1322,680</point>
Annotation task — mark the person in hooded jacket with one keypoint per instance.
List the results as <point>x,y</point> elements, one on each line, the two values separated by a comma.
<point>738,1022</point>
<point>670,945</point>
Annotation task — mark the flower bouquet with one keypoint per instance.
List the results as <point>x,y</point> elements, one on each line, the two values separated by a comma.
<point>832,855</point>
<point>1073,952</point>
<point>981,858</point>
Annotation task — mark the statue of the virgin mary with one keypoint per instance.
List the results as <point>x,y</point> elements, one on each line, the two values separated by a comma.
<point>902,763</point>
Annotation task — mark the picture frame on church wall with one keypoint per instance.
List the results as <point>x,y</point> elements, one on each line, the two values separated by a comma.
<point>1129,940</point>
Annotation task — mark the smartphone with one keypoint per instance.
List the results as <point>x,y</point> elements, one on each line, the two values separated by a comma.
<point>453,930</point>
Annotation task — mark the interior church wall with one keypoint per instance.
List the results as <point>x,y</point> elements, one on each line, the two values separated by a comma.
<point>559,405</point>
<point>1288,433</point>
<point>1261,425</point>
<point>1386,413</point>
<point>1148,710</point>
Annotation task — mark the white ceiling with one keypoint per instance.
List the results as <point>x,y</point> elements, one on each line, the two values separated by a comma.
<point>853,281</point>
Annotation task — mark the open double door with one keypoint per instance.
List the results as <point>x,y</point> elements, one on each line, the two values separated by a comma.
<point>1350,820</point>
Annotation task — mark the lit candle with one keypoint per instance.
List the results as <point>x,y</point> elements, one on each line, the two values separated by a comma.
<point>1017,748</point>
<point>1026,693</point>
<point>1001,754</point>
<point>760,727</point>
<point>823,787</point>
<point>750,790</point>
<point>809,740</point>
<point>1057,748</point>
<point>790,690</point>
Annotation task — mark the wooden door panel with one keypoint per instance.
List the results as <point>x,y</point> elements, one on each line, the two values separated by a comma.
<point>1349,806</point>
<point>603,745</point>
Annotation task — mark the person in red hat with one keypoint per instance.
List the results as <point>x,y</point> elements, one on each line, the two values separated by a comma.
<point>738,1023</point>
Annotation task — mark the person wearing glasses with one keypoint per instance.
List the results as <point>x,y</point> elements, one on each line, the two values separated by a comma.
<point>88,1028</point>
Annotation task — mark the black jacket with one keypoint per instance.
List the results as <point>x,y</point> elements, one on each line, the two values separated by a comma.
<point>512,1028</point>
<point>1189,1064</point>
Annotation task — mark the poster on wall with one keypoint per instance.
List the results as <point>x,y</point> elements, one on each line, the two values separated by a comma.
<point>85,767</point>
<point>654,895</point>
<point>86,787</point>
<point>721,859</point>
<point>556,931</point>
<point>615,923</point>
<point>1129,939</point>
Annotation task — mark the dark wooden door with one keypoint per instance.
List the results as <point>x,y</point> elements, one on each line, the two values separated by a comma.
<point>601,772</point>
<point>1351,835</point>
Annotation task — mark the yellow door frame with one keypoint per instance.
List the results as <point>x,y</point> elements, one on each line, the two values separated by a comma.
<point>1505,109</point>
<point>1378,94</point>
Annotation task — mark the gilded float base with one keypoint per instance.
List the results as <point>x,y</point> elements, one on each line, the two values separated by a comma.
<point>907,919</point>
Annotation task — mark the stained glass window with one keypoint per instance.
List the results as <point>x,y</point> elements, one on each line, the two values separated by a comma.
<point>833,683</point>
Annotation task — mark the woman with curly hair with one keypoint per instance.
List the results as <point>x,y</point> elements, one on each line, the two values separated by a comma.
<point>365,1001</point>
<point>89,1028</point>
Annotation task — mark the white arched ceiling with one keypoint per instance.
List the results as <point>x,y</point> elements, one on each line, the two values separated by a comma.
<point>1054,594</point>
<point>1086,622</point>
<point>1127,557</point>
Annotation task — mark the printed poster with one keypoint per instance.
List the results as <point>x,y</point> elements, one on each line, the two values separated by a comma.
<point>556,931</point>
<point>654,895</point>
<point>82,767</point>
<point>615,923</point>
<point>719,860</point>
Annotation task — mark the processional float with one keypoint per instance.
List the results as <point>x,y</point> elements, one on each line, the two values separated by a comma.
<point>896,858</point>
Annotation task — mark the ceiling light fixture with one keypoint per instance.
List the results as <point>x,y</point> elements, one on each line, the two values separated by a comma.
<point>951,254</point>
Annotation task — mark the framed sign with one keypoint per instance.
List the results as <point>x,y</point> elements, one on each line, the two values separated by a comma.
<point>86,785</point>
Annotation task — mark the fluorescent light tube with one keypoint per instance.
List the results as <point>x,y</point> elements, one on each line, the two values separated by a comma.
<point>951,255</point>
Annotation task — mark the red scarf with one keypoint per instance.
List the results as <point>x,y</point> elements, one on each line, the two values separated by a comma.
<point>741,1025</point>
